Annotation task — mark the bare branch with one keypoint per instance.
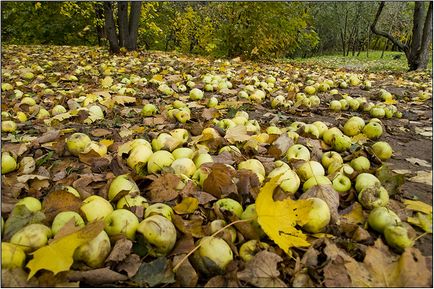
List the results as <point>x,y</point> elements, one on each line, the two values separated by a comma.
<point>374,30</point>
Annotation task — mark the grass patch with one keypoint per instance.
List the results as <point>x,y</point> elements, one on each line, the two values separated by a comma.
<point>392,61</point>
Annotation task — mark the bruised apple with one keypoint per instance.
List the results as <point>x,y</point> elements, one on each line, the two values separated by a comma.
<point>213,256</point>
<point>159,233</point>
<point>12,256</point>
<point>94,252</point>
<point>32,237</point>
<point>77,143</point>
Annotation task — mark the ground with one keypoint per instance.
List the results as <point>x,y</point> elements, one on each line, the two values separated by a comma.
<point>72,73</point>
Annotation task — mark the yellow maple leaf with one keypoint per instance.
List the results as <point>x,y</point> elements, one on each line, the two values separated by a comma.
<point>278,219</point>
<point>107,82</point>
<point>106,142</point>
<point>123,99</point>
<point>58,255</point>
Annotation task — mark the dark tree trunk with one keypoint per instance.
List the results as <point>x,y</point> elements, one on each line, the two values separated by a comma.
<point>417,51</point>
<point>110,27</point>
<point>99,13</point>
<point>128,25</point>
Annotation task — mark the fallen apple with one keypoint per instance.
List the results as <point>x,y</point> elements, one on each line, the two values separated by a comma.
<point>159,209</point>
<point>159,160</point>
<point>382,150</point>
<point>318,217</point>
<point>64,217</point>
<point>31,237</point>
<point>77,143</point>
<point>183,152</point>
<point>139,157</point>
<point>218,224</point>
<point>329,157</point>
<point>9,126</point>
<point>373,197</point>
<point>13,256</point>
<point>183,166</point>
<point>298,151</point>
<point>335,105</point>
<point>149,109</point>
<point>227,204</point>
<point>96,207</point>
<point>315,181</point>
<point>129,201</point>
<point>9,164</point>
<point>249,249</point>
<point>361,164</point>
<point>94,252</point>
<point>381,217</point>
<point>365,180</point>
<point>196,94</point>
<point>330,134</point>
<point>202,158</point>
<point>397,237</point>
<point>341,183</point>
<point>31,203</point>
<point>309,169</point>
<point>353,126</point>
<point>213,256</point>
<point>121,222</point>
<point>255,166</point>
<point>121,186</point>
<point>341,142</point>
<point>159,233</point>
<point>373,130</point>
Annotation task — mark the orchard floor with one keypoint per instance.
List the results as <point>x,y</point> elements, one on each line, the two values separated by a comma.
<point>410,136</point>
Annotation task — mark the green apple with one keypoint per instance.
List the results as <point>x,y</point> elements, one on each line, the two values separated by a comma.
<point>183,152</point>
<point>315,181</point>
<point>353,126</point>
<point>255,166</point>
<point>165,89</point>
<point>382,150</point>
<point>149,109</point>
<point>250,248</point>
<point>309,169</point>
<point>243,94</point>
<point>129,201</point>
<point>58,109</point>
<point>298,151</point>
<point>227,204</point>
<point>21,116</point>
<point>381,217</point>
<point>280,167</point>
<point>31,237</point>
<point>397,237</point>
<point>257,96</point>
<point>72,191</point>
<point>311,130</point>
<point>160,233</point>
<point>335,105</point>
<point>373,130</point>
<point>354,104</point>
<point>240,120</point>
<point>377,111</point>
<point>9,164</point>
<point>28,100</point>
<point>13,256</point>
<point>341,183</point>
<point>309,89</point>
<point>277,101</point>
<point>218,224</point>
<point>361,164</point>
<point>64,217</point>
<point>96,207</point>
<point>183,166</point>
<point>200,175</point>
<point>344,104</point>
<point>77,143</point>
<point>159,160</point>
<point>366,180</point>
<point>196,94</point>
<point>343,84</point>
<point>121,222</point>
<point>289,182</point>
<point>159,209</point>
<point>96,147</point>
<point>318,217</point>
<point>9,126</point>
<point>322,127</point>
<point>32,204</point>
<point>139,157</point>
<point>231,149</point>
<point>43,114</point>
<point>182,116</point>
<point>181,134</point>
<point>341,142</point>
<point>373,196</point>
<point>122,185</point>
<point>94,252</point>
<point>202,159</point>
<point>250,213</point>
<point>329,157</point>
<point>333,91</point>
<point>213,102</point>
<point>213,256</point>
<point>330,134</point>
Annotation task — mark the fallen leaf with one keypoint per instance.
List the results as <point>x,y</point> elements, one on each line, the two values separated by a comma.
<point>60,201</point>
<point>327,194</point>
<point>237,133</point>
<point>192,226</point>
<point>57,256</point>
<point>418,206</point>
<point>107,82</point>
<point>154,273</point>
<point>123,99</point>
<point>185,275</point>
<point>187,206</point>
<point>422,177</point>
<point>335,274</point>
<point>97,276</point>
<point>17,278</point>
<point>354,214</point>
<point>163,188</point>
<point>262,271</point>
<point>421,220</point>
<point>278,219</point>
<point>219,182</point>
<point>419,162</point>
<point>120,251</point>
<point>280,146</point>
<point>130,265</point>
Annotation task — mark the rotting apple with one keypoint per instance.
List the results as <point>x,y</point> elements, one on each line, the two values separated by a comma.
<point>77,143</point>
<point>159,233</point>
<point>382,150</point>
<point>159,160</point>
<point>31,237</point>
<point>365,180</point>
<point>397,237</point>
<point>381,217</point>
<point>318,217</point>
<point>228,204</point>
<point>159,209</point>
<point>122,184</point>
<point>13,256</point>
<point>94,252</point>
<point>373,197</point>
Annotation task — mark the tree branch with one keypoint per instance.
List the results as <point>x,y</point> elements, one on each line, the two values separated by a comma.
<point>374,30</point>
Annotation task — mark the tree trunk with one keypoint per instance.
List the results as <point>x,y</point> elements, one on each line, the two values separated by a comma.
<point>99,14</point>
<point>133,25</point>
<point>417,52</point>
<point>110,27</point>
<point>123,23</point>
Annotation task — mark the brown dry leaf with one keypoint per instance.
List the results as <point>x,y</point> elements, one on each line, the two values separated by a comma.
<point>49,136</point>
<point>187,206</point>
<point>130,265</point>
<point>390,180</point>
<point>26,178</point>
<point>390,270</point>
<point>280,146</point>
<point>183,246</point>
<point>17,278</point>
<point>99,132</point>
<point>237,133</point>
<point>262,271</point>
<point>59,201</point>
<point>204,197</point>
<point>96,276</point>
<point>120,251</point>
<point>82,184</point>
<point>163,188</point>
<point>354,214</point>
<point>192,226</point>
<point>158,271</point>
<point>210,113</point>
<point>329,195</point>
<point>219,182</point>
<point>422,177</point>
<point>248,183</point>
<point>335,274</point>
<point>185,275</point>
<point>19,218</point>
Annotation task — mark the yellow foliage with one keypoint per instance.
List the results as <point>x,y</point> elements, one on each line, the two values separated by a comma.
<point>58,255</point>
<point>418,206</point>
<point>278,219</point>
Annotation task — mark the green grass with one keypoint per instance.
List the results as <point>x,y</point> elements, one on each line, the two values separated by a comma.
<point>373,63</point>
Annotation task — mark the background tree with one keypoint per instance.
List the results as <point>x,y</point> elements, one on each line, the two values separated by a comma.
<point>124,34</point>
<point>417,50</point>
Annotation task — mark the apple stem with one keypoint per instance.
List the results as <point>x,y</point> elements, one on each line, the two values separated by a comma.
<point>198,246</point>
<point>420,236</point>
